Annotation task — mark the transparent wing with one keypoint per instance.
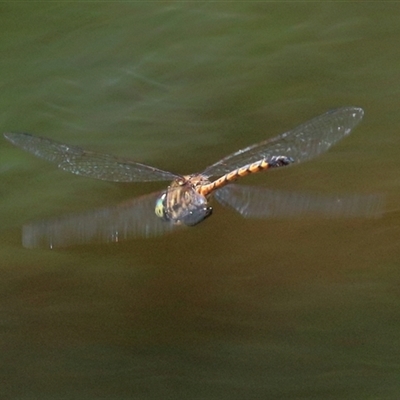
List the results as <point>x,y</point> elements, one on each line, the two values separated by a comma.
<point>302,143</point>
<point>87,163</point>
<point>135,218</point>
<point>256,202</point>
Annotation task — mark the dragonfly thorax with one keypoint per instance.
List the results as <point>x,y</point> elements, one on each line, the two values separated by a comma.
<point>182,202</point>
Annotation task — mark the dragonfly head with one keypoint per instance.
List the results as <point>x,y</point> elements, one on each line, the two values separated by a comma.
<point>182,205</point>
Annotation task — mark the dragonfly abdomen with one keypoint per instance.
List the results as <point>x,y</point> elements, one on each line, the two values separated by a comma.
<point>258,166</point>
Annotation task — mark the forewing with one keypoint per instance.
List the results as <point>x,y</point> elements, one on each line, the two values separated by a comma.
<point>135,218</point>
<point>87,163</point>
<point>302,143</point>
<point>256,202</point>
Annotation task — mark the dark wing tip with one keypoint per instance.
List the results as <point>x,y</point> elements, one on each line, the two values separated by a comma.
<point>14,137</point>
<point>347,118</point>
<point>358,112</point>
<point>9,136</point>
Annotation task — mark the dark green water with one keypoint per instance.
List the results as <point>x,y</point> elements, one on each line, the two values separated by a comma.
<point>237,309</point>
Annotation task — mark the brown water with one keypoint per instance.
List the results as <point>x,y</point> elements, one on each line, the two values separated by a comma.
<point>238,309</point>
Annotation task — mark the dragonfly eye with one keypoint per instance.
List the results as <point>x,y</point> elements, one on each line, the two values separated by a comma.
<point>160,207</point>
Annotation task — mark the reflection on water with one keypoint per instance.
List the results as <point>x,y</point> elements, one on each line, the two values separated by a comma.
<point>237,309</point>
<point>137,218</point>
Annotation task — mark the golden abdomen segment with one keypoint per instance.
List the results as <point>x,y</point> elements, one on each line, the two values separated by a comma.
<point>258,166</point>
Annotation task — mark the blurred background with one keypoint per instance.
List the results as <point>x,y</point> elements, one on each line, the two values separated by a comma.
<point>232,309</point>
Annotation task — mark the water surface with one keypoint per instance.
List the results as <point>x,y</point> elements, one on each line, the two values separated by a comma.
<point>234,308</point>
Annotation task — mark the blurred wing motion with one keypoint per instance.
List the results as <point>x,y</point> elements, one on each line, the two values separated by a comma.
<point>135,218</point>
<point>256,202</point>
<point>87,163</point>
<point>302,143</point>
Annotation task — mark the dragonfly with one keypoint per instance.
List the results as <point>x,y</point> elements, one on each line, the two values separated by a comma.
<point>186,200</point>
